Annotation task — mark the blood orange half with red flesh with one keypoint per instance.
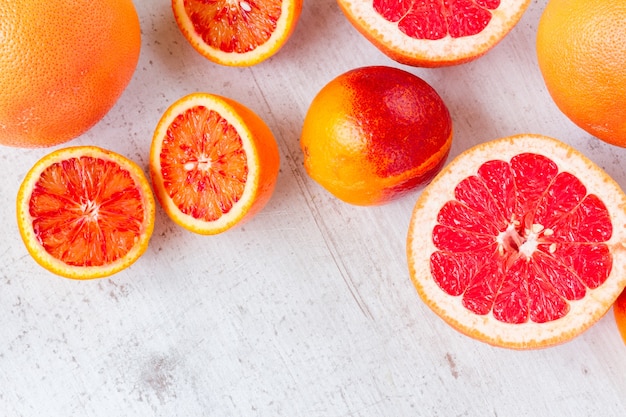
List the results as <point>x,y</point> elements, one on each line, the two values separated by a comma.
<point>237,33</point>
<point>434,33</point>
<point>85,212</point>
<point>213,163</point>
<point>520,242</point>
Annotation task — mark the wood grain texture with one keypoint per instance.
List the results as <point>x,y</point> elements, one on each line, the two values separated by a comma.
<point>308,309</point>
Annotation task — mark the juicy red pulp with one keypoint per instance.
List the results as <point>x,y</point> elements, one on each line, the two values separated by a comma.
<point>436,19</point>
<point>521,240</point>
<point>86,211</point>
<point>203,163</point>
<point>229,26</point>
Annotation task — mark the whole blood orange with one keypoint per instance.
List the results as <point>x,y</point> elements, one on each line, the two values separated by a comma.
<point>519,242</point>
<point>237,33</point>
<point>213,162</point>
<point>373,134</point>
<point>85,212</point>
<point>581,55</point>
<point>434,33</point>
<point>619,311</point>
<point>63,65</point>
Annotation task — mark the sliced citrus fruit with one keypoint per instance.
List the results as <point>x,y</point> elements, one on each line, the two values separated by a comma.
<point>619,311</point>
<point>237,32</point>
<point>213,162</point>
<point>434,33</point>
<point>85,212</point>
<point>519,242</point>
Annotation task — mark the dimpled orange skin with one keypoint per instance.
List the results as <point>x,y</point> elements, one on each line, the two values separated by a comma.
<point>619,311</point>
<point>373,134</point>
<point>581,54</point>
<point>63,65</point>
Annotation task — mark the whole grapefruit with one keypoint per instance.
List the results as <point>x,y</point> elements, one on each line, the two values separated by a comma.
<point>581,55</point>
<point>63,65</point>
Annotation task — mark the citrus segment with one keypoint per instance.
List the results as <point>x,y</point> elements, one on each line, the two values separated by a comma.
<point>213,163</point>
<point>373,134</point>
<point>64,64</point>
<point>434,33</point>
<point>519,242</point>
<point>84,212</point>
<point>237,33</point>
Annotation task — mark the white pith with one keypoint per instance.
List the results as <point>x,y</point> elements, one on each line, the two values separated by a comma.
<point>514,242</point>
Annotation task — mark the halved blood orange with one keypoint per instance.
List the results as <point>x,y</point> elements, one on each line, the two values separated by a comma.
<point>434,33</point>
<point>519,242</point>
<point>85,212</point>
<point>619,311</point>
<point>237,32</point>
<point>213,162</point>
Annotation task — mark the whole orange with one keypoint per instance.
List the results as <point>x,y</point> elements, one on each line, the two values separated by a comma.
<point>63,65</point>
<point>581,55</point>
<point>375,133</point>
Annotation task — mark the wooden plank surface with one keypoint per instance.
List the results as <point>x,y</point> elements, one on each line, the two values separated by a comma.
<point>307,310</point>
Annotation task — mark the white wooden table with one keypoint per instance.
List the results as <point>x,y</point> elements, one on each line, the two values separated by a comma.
<point>308,310</point>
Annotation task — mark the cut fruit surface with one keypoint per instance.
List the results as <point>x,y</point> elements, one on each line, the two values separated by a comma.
<point>519,242</point>
<point>85,212</point>
<point>213,163</point>
<point>237,33</point>
<point>434,33</point>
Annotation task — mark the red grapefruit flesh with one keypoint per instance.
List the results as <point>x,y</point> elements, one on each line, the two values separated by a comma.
<point>525,242</point>
<point>434,33</point>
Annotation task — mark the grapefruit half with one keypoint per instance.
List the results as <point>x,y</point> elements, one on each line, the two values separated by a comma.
<point>519,242</point>
<point>434,33</point>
